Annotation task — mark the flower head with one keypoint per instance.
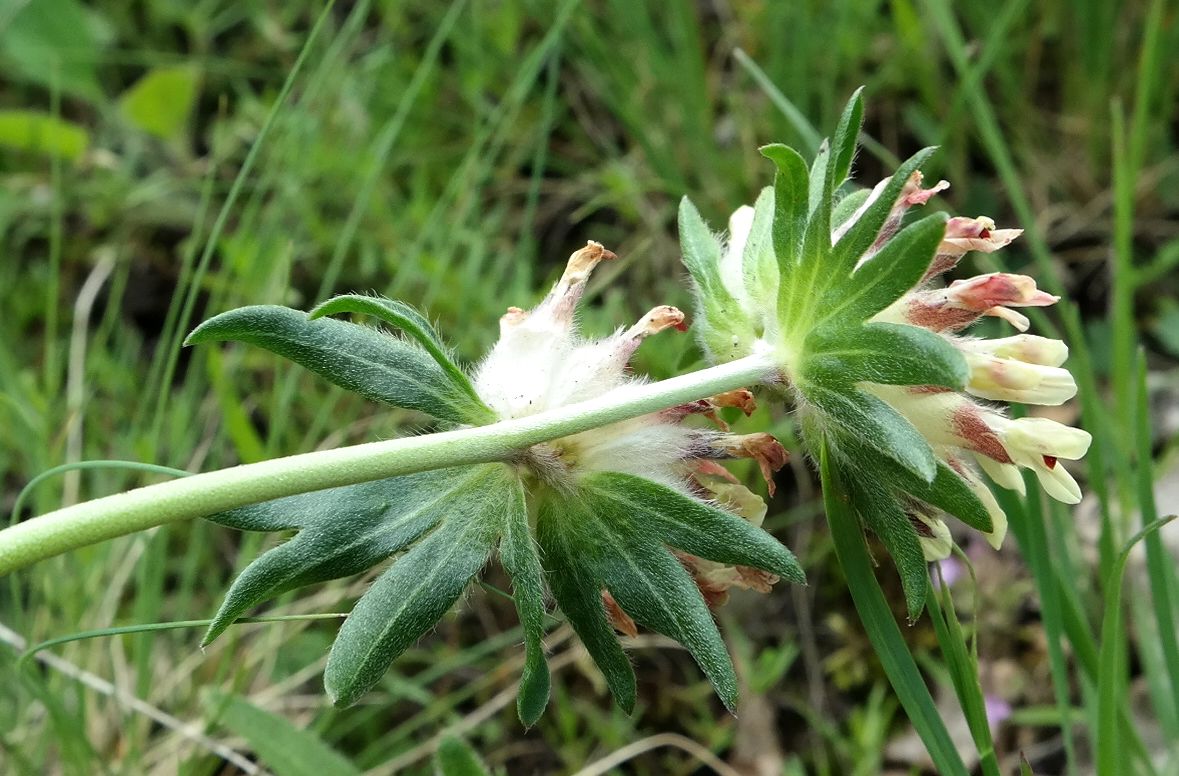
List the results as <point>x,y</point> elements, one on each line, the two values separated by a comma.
<point>873,345</point>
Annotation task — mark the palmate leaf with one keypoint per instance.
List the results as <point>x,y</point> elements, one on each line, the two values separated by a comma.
<point>342,531</point>
<point>613,532</point>
<point>897,268</point>
<point>374,364</point>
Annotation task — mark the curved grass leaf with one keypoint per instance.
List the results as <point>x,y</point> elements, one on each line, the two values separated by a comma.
<point>561,528</point>
<point>878,425</point>
<point>897,268</point>
<point>343,531</point>
<point>864,232</point>
<point>368,362</point>
<point>405,318</point>
<point>419,588</point>
<point>888,353</point>
<point>880,626</point>
<point>520,560</point>
<point>690,525</point>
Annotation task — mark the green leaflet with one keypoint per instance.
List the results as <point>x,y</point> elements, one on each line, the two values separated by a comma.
<point>759,264</point>
<point>864,232</point>
<point>847,136</point>
<point>564,530</point>
<point>847,206</point>
<point>820,188</point>
<point>691,525</point>
<point>406,318</point>
<point>888,353</point>
<point>790,207</point>
<point>878,425</point>
<point>947,491</point>
<point>878,509</point>
<point>375,365</point>
<point>342,531</point>
<point>518,554</point>
<point>897,268</point>
<point>420,587</point>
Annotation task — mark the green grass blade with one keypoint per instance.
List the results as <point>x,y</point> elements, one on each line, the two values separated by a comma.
<point>963,673</point>
<point>1111,678</point>
<point>882,629</point>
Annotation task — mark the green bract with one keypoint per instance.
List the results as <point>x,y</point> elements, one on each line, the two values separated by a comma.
<point>581,535</point>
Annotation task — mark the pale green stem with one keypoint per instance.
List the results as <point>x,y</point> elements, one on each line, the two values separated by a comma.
<point>205,494</point>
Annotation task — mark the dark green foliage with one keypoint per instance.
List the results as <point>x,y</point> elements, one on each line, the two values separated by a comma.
<point>373,364</point>
<point>614,533</point>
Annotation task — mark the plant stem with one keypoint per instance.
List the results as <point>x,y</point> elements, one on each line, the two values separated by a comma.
<point>205,494</point>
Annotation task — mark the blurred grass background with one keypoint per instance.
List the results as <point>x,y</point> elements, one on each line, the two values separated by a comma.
<point>453,154</point>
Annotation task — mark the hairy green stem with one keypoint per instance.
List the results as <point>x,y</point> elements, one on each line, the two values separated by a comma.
<point>205,494</point>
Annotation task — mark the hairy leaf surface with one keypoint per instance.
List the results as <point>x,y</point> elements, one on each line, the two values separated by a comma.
<point>376,365</point>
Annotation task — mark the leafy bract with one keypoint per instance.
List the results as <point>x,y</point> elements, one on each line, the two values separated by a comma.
<point>371,363</point>
<point>881,280</point>
<point>877,507</point>
<point>790,206</point>
<point>613,533</point>
<point>866,230</point>
<point>880,426</point>
<point>947,490</point>
<point>408,320</point>
<point>847,136</point>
